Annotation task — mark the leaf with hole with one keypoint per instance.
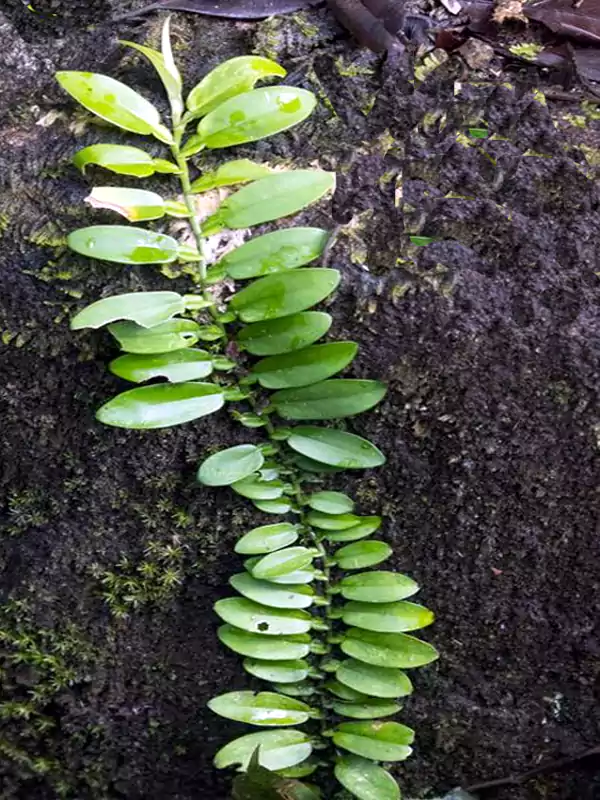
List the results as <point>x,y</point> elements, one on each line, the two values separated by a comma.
<point>123,245</point>
<point>365,780</point>
<point>387,649</point>
<point>379,741</point>
<point>175,334</point>
<point>277,671</point>
<point>372,708</point>
<point>123,160</point>
<point>336,448</point>
<point>145,308</point>
<point>286,293</point>
<point>364,528</point>
<point>331,502</point>
<point>264,708</point>
<point>387,617</point>
<point>255,645</point>
<point>242,170</point>
<point>276,564</point>
<point>234,77</point>
<point>278,251</point>
<point>115,102</point>
<point>304,367</point>
<point>278,195</point>
<point>267,539</point>
<point>136,205</point>
<point>256,618</point>
<point>333,399</point>
<point>231,465</point>
<point>362,554</point>
<point>267,593</point>
<point>176,367</point>
<point>255,488</point>
<point>373,681</point>
<point>378,587</point>
<point>161,406</point>
<point>284,335</point>
<point>277,750</point>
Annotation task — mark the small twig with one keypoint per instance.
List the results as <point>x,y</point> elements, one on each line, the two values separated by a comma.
<point>330,243</point>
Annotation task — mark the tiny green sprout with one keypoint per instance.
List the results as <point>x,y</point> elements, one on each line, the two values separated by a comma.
<point>331,637</point>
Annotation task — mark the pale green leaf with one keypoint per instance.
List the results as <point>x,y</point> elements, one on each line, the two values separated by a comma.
<point>175,334</point>
<point>365,780</point>
<point>231,465</point>
<point>267,539</point>
<point>123,160</point>
<point>269,594</point>
<point>331,502</point>
<point>379,741</point>
<point>387,649</point>
<point>276,750</point>
<point>372,708</point>
<point>256,618</point>
<point>278,251</point>
<point>286,293</point>
<point>373,681</point>
<point>136,205</point>
<point>378,587</point>
<point>241,170</point>
<point>264,708</point>
<point>123,245</point>
<point>336,448</point>
<point>360,555</point>
<point>176,367</point>
<point>280,562</point>
<point>255,645</point>
<point>145,308</point>
<point>332,399</point>
<point>332,522</point>
<point>387,617</point>
<point>365,527</point>
<point>277,671</point>
<point>255,488</point>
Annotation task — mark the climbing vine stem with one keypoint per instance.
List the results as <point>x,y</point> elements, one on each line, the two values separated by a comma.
<point>311,619</point>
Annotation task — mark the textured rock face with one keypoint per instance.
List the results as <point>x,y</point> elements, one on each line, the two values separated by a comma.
<point>488,336</point>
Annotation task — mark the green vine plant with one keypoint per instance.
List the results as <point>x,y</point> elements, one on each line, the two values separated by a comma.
<point>327,634</point>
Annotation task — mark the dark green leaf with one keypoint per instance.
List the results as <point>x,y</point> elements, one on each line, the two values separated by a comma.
<point>387,649</point>
<point>115,102</point>
<point>175,334</point>
<point>255,645</point>
<point>336,448</point>
<point>331,502</point>
<point>145,308</point>
<point>277,671</point>
<point>123,245</point>
<point>259,783</point>
<point>278,251</point>
<point>373,681</point>
<point>265,708</point>
<point>233,172</point>
<point>378,587</point>
<point>176,367</point>
<point>231,465</point>
<point>267,539</point>
<point>304,367</point>
<point>136,205</point>
<point>255,115</point>
<point>279,563</point>
<point>373,708</point>
<point>387,617</point>
<point>233,77</point>
<point>365,527</point>
<point>284,335</point>
<point>333,399</point>
<point>278,749</point>
<point>269,594</point>
<point>362,554</point>
<point>286,293</point>
<point>161,406</point>
<point>366,780</point>
<point>122,159</point>
<point>256,618</point>
<point>380,741</point>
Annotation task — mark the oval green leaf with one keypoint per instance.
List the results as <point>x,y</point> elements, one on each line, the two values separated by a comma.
<point>267,593</point>
<point>331,502</point>
<point>175,334</point>
<point>122,159</point>
<point>345,693</point>
<point>332,522</point>
<point>233,77</point>
<point>136,205</point>
<point>365,780</point>
<point>387,649</point>
<point>277,671</point>
<point>255,115</point>
<point>362,554</point>
<point>336,448</point>
<point>373,708</point>
<point>279,563</point>
<point>299,689</point>
<point>387,617</point>
<point>265,708</point>
<point>373,681</point>
<point>286,293</point>
<point>284,335</point>
<point>333,399</point>
<point>241,170</point>
<point>273,197</point>
<point>123,245</point>
<point>145,308</point>
<point>365,527</point>
<point>276,750</point>
<point>255,488</point>
<point>379,741</point>
<point>176,367</point>
<point>281,506</point>
<point>161,406</point>
<point>231,465</point>
<point>378,587</point>
<point>309,465</point>
<point>304,367</point>
<point>115,102</point>
<point>278,251</point>
<point>267,539</point>
<point>255,645</point>
<point>256,618</point>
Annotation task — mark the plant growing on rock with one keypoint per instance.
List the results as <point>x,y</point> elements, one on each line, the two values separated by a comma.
<point>325,632</point>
